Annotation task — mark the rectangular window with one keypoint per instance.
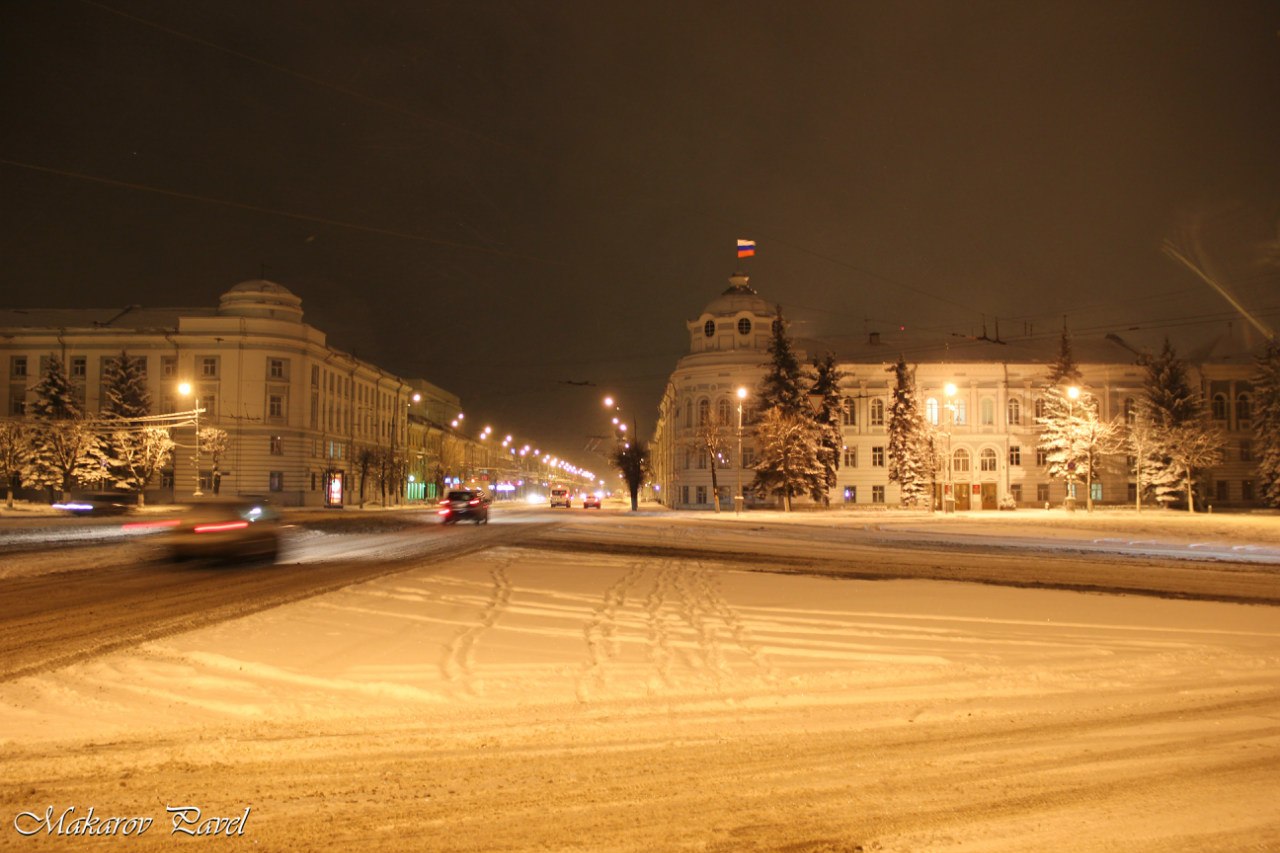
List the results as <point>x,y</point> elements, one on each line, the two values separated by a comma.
<point>17,405</point>
<point>1042,457</point>
<point>1246,490</point>
<point>168,365</point>
<point>851,494</point>
<point>275,481</point>
<point>1095,491</point>
<point>1221,491</point>
<point>17,366</point>
<point>877,494</point>
<point>209,366</point>
<point>1015,492</point>
<point>315,376</point>
<point>688,458</point>
<point>1015,455</point>
<point>1246,450</point>
<point>275,368</point>
<point>275,407</point>
<point>851,457</point>
<point>702,459</point>
<point>1042,492</point>
<point>1132,492</point>
<point>962,412</point>
<point>313,481</point>
<point>277,446</point>
<point>701,492</point>
<point>877,457</point>
<point>79,367</point>
<point>209,402</point>
<point>748,457</point>
<point>684,495</point>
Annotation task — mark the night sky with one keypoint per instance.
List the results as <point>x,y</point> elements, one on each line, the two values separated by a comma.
<point>505,198</point>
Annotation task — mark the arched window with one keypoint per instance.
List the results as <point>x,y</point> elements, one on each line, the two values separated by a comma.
<point>704,409</point>
<point>1015,412</point>
<point>987,410</point>
<point>877,412</point>
<point>688,413</point>
<point>709,328</point>
<point>987,459</point>
<point>1039,408</point>
<point>962,411</point>
<point>1244,408</point>
<point>1130,411</point>
<point>931,410</point>
<point>848,413</point>
<point>722,411</point>
<point>960,461</point>
<point>1219,407</point>
<point>744,326</point>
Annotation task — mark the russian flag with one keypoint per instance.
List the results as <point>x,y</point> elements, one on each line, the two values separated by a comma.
<point>746,248</point>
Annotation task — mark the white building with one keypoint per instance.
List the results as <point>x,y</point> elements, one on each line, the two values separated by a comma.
<point>993,439</point>
<point>297,410</point>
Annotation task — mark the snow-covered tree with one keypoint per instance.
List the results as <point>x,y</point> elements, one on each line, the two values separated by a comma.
<point>124,387</point>
<point>215,442</point>
<point>713,437</point>
<point>1139,442</point>
<point>826,386</point>
<point>140,454</point>
<point>1193,446</point>
<point>15,439</point>
<point>1266,421</point>
<point>788,463</point>
<point>64,448</point>
<point>1171,403</point>
<point>911,449</point>
<point>1064,370</point>
<point>784,382</point>
<point>631,458</point>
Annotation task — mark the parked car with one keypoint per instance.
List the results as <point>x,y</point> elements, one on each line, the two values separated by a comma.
<point>589,500</point>
<point>225,529</point>
<point>561,497</point>
<point>461,504</point>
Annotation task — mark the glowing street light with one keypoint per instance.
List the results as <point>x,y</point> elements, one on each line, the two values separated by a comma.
<point>739,498</point>
<point>949,498</point>
<point>185,389</point>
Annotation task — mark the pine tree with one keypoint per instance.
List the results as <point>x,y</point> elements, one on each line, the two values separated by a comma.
<point>826,384</point>
<point>1063,370</point>
<point>124,387</point>
<point>783,383</point>
<point>1171,403</point>
<point>129,452</point>
<point>910,445</point>
<point>1266,422</point>
<point>64,450</point>
<point>788,464</point>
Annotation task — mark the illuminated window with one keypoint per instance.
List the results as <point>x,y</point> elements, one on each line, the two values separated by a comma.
<point>931,410</point>
<point>962,412</point>
<point>987,411</point>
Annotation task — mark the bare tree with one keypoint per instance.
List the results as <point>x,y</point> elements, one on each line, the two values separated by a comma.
<point>1193,446</point>
<point>714,438</point>
<point>215,442</point>
<point>14,441</point>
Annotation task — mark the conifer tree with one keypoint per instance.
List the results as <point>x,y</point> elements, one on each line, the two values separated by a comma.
<point>1171,404</point>
<point>64,450</point>
<point>124,387</point>
<point>788,463</point>
<point>911,455</point>
<point>826,384</point>
<point>1064,370</point>
<point>1266,422</point>
<point>131,453</point>
<point>784,382</point>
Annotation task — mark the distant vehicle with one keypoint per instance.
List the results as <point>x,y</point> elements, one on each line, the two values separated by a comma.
<point>590,500</point>
<point>561,497</point>
<point>108,503</point>
<point>461,504</point>
<point>225,529</point>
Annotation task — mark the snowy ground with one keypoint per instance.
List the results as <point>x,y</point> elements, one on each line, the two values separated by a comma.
<point>527,698</point>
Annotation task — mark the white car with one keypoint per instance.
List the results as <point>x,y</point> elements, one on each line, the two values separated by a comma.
<point>561,497</point>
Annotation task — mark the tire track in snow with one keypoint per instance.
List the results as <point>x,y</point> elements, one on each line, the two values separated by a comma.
<point>601,632</point>
<point>458,662</point>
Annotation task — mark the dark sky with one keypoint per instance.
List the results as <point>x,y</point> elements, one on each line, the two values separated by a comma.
<point>502,197</point>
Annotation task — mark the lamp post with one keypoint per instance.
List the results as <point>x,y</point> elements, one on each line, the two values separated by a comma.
<point>186,390</point>
<point>1073,394</point>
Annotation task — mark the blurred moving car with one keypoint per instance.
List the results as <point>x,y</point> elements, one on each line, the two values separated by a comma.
<point>590,500</point>
<point>107,503</point>
<point>225,529</point>
<point>462,504</point>
<point>561,497</point>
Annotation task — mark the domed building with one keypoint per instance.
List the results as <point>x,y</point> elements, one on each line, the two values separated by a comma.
<point>986,425</point>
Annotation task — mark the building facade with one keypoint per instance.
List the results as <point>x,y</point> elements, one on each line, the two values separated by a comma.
<point>988,424</point>
<point>301,416</point>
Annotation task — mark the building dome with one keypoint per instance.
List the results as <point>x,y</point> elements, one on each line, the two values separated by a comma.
<point>738,298</point>
<point>261,298</point>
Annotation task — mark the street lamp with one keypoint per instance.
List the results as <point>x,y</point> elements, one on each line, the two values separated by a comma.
<point>1073,394</point>
<point>739,498</point>
<point>186,390</point>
